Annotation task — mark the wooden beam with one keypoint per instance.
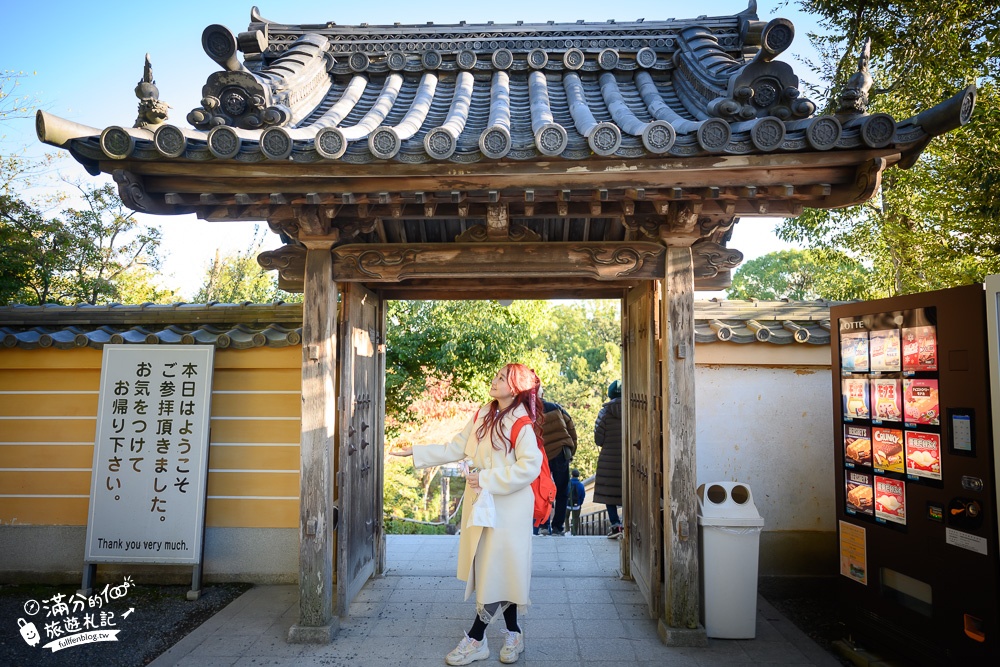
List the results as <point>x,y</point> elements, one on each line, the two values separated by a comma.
<point>317,513</point>
<point>679,625</point>
<point>376,263</point>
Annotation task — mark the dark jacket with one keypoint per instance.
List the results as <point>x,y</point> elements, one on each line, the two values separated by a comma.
<point>558,431</point>
<point>608,436</point>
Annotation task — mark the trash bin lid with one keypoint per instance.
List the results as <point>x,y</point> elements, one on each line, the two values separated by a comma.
<point>726,503</point>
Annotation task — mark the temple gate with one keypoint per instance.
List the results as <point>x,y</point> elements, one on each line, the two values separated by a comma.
<point>583,160</point>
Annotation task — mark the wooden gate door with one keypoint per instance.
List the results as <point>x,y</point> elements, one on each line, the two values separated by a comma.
<point>641,456</point>
<point>360,437</point>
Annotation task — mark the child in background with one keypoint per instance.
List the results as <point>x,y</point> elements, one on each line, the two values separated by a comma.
<point>576,494</point>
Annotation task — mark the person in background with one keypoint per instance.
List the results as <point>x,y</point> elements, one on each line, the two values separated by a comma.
<point>495,562</point>
<point>608,437</point>
<point>576,495</point>
<point>559,439</point>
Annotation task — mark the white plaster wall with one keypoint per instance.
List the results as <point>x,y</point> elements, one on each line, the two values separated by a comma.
<point>772,429</point>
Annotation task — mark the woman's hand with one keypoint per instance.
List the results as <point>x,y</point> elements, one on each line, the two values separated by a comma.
<point>402,451</point>
<point>472,481</point>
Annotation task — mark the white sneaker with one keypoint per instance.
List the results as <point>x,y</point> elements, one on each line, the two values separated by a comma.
<point>468,650</point>
<point>513,644</point>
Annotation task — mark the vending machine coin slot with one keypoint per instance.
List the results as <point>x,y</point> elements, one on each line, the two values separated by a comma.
<point>970,483</point>
<point>965,513</point>
<point>974,628</point>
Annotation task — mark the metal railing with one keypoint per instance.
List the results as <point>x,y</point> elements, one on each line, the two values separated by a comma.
<point>594,523</point>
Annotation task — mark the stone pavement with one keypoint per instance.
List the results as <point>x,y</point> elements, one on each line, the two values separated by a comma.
<point>582,613</point>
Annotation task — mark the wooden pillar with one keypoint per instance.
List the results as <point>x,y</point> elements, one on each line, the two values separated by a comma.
<point>679,625</point>
<point>317,513</point>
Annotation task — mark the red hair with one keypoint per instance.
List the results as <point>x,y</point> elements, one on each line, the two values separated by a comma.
<point>525,385</point>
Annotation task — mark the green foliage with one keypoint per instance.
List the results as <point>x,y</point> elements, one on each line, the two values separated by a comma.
<point>800,275</point>
<point>237,277</point>
<point>458,343</point>
<point>95,253</point>
<point>935,225</point>
<point>441,356</point>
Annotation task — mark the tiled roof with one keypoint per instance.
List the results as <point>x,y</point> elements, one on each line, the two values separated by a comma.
<point>469,93</point>
<point>236,326</point>
<point>775,322</point>
<point>245,326</point>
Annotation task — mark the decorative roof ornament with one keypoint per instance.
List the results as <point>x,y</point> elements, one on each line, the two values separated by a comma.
<point>280,93</point>
<point>152,111</point>
<point>764,86</point>
<point>854,96</point>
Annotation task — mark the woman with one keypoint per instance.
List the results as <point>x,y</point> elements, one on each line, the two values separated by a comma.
<point>608,436</point>
<point>495,562</point>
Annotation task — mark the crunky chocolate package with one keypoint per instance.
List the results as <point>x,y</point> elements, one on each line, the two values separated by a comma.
<point>887,449</point>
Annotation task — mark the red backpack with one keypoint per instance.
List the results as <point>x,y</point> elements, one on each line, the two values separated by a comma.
<point>543,486</point>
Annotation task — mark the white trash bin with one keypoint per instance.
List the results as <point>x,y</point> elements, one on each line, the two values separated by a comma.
<point>728,549</point>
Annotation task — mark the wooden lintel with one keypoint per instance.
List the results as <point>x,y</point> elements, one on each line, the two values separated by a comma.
<point>612,261</point>
<point>521,288</point>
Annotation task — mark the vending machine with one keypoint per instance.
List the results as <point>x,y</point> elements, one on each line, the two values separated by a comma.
<point>916,474</point>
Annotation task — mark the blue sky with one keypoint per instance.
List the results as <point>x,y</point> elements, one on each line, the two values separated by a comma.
<point>82,61</point>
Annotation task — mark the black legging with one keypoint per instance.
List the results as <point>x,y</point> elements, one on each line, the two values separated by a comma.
<point>478,630</point>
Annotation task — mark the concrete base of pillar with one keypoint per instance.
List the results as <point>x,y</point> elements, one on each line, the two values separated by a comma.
<point>310,634</point>
<point>695,637</point>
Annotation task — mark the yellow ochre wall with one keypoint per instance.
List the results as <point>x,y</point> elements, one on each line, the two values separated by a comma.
<point>48,408</point>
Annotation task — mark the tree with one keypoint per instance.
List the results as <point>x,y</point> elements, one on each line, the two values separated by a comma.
<point>441,355</point>
<point>938,223</point>
<point>458,343</point>
<point>237,277</point>
<point>94,253</point>
<point>800,275</point>
<point>109,248</point>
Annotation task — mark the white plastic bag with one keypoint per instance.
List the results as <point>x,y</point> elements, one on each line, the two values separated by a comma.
<point>484,512</point>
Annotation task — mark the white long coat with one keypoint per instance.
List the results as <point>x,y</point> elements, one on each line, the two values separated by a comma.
<point>494,562</point>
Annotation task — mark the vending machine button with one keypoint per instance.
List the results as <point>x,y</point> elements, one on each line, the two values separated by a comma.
<point>973,509</point>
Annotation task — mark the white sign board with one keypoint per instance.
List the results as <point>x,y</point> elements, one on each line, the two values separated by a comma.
<point>147,495</point>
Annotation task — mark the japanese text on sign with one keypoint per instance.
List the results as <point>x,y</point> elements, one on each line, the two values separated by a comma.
<point>150,456</point>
